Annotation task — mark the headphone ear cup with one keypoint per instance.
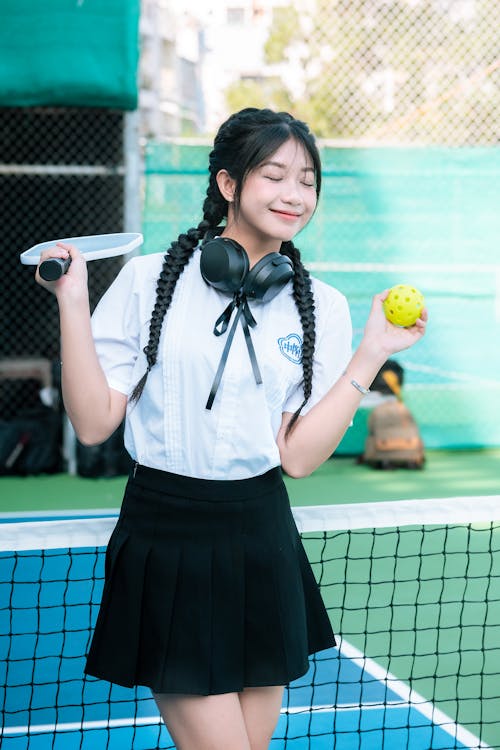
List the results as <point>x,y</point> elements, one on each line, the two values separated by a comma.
<point>224,264</point>
<point>268,277</point>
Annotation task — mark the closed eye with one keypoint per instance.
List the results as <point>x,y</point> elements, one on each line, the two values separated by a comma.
<point>278,179</point>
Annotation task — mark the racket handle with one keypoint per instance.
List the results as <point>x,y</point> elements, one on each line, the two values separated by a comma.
<point>53,268</point>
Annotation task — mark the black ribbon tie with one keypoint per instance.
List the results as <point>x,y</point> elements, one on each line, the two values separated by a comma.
<point>244,314</point>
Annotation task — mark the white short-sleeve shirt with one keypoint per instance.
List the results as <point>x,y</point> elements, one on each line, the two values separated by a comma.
<point>169,428</point>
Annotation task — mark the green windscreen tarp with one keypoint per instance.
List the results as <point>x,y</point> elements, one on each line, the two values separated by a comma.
<point>81,53</point>
<point>422,216</point>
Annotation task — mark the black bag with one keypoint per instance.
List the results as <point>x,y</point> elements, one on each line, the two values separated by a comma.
<point>109,459</point>
<point>30,443</point>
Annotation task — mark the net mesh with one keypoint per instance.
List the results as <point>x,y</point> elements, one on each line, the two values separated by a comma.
<point>406,91</point>
<point>413,71</point>
<point>412,587</point>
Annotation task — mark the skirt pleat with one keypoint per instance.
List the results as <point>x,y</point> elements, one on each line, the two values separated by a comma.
<point>158,606</point>
<point>207,588</point>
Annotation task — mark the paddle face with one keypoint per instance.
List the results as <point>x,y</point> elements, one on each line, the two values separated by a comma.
<point>93,247</point>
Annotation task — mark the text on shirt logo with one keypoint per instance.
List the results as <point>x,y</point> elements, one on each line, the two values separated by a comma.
<point>291,347</point>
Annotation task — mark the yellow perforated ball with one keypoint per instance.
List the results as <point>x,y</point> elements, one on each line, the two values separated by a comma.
<point>403,305</point>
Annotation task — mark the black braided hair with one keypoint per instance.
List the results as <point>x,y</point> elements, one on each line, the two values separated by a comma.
<point>174,263</point>
<point>244,141</point>
<point>304,300</point>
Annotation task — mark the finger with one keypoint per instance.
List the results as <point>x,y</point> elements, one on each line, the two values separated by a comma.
<point>421,322</point>
<point>56,251</point>
<point>63,250</point>
<point>55,261</point>
<point>71,250</point>
<point>379,298</point>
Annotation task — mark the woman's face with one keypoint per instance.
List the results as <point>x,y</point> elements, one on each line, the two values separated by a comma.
<point>277,199</point>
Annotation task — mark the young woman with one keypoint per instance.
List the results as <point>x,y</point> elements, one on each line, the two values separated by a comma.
<point>230,364</point>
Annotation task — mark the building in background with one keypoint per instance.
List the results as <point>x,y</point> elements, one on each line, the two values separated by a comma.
<point>170,95</point>
<point>189,57</point>
<point>377,71</point>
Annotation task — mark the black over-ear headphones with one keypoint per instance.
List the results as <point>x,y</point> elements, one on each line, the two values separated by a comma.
<point>224,265</point>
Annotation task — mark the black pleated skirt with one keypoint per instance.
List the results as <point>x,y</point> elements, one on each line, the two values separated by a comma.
<point>207,588</point>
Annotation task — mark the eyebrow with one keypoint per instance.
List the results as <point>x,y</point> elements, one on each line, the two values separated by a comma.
<point>279,164</point>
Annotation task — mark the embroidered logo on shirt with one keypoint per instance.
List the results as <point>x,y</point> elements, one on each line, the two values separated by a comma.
<point>291,347</point>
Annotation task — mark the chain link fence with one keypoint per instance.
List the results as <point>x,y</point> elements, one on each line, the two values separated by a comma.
<point>404,97</point>
<point>384,72</point>
<point>61,175</point>
<point>389,216</point>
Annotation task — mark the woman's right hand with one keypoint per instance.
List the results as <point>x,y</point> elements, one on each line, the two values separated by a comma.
<point>74,281</point>
<point>94,409</point>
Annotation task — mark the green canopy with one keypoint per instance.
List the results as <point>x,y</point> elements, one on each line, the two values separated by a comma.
<point>80,53</point>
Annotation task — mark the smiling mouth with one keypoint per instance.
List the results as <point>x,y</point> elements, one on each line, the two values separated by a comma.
<point>287,214</point>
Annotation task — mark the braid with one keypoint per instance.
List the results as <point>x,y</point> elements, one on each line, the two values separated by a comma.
<point>174,262</point>
<point>247,138</point>
<point>304,300</point>
<point>214,206</point>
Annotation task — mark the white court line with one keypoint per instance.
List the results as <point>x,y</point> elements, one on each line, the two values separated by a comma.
<point>77,726</point>
<point>409,698</point>
<point>412,698</point>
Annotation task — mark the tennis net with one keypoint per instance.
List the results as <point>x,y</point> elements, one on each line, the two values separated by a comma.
<point>412,588</point>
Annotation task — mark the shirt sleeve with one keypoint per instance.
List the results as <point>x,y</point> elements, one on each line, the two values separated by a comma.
<point>116,328</point>
<point>332,354</point>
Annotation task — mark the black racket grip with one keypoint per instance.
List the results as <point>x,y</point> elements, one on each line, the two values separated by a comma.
<point>53,268</point>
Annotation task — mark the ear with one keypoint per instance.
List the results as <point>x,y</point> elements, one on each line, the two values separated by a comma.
<point>226,185</point>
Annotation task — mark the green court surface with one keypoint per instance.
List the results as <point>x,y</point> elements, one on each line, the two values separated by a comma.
<point>419,604</point>
<point>422,603</point>
<point>339,480</point>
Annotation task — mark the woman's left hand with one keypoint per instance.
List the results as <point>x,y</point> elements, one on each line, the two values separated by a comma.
<point>386,336</point>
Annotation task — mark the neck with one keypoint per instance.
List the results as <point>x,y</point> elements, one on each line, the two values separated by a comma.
<point>256,248</point>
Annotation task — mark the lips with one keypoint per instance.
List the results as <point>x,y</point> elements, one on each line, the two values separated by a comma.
<point>286,214</point>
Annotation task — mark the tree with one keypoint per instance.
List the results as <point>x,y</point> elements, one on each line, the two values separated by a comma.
<point>386,69</point>
<point>265,92</point>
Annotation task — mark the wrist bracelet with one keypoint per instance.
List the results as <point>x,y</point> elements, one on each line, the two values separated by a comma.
<point>357,385</point>
<point>360,388</point>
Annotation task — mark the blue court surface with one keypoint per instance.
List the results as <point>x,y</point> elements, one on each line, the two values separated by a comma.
<point>48,604</point>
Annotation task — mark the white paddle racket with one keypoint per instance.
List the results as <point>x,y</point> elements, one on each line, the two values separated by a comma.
<point>93,247</point>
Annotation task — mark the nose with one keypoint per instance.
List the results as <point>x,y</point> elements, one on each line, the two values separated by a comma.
<point>291,193</point>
